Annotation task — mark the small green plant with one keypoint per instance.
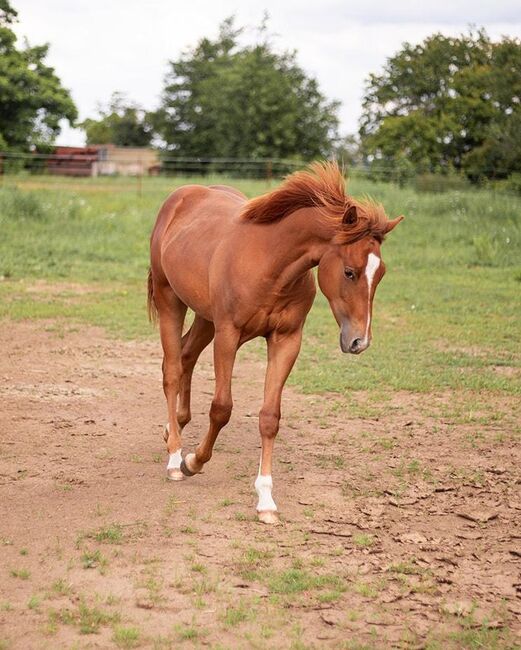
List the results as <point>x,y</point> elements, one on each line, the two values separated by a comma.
<point>363,540</point>
<point>238,614</point>
<point>23,574</point>
<point>126,637</point>
<point>61,587</point>
<point>34,602</point>
<point>93,560</point>
<point>187,632</point>
<point>112,534</point>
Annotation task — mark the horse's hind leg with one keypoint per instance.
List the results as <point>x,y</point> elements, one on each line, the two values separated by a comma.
<point>225,350</point>
<point>171,317</point>
<point>195,340</point>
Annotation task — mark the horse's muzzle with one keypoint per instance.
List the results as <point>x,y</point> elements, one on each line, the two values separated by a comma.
<point>352,344</point>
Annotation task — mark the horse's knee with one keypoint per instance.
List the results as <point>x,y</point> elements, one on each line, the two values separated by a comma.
<point>269,423</point>
<point>183,418</point>
<point>221,412</point>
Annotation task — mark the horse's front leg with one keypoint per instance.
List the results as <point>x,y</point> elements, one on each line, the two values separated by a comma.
<point>283,350</point>
<point>225,349</point>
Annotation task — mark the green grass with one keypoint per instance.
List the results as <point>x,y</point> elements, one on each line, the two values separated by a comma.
<point>126,637</point>
<point>446,315</point>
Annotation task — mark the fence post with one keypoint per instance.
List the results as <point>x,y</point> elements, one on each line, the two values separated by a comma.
<point>269,171</point>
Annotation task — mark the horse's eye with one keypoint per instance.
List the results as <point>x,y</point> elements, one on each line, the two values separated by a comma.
<point>350,275</point>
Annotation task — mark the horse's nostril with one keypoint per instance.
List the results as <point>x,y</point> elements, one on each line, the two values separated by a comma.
<point>356,344</point>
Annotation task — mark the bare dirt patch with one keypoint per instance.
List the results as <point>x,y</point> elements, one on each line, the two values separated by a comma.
<point>400,530</point>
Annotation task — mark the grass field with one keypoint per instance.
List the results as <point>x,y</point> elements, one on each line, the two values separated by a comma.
<point>446,315</point>
<point>401,500</point>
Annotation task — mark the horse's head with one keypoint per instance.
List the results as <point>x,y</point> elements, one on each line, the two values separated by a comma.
<point>348,275</point>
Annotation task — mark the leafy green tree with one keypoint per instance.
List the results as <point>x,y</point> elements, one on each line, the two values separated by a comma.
<point>121,123</point>
<point>32,99</point>
<point>225,100</point>
<point>446,104</point>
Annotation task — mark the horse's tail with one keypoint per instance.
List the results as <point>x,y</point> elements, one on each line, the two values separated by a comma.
<point>151,305</point>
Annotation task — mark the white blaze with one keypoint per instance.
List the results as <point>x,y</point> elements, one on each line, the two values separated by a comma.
<point>373,262</point>
<point>263,486</point>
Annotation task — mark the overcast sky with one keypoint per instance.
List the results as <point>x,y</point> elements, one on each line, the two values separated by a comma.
<point>99,46</point>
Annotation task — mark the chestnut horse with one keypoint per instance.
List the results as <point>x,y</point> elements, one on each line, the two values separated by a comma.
<point>244,268</point>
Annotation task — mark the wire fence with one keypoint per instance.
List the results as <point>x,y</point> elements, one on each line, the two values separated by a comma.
<point>118,168</point>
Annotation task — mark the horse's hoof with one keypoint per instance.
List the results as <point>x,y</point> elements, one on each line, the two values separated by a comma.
<point>174,474</point>
<point>184,465</point>
<point>268,517</point>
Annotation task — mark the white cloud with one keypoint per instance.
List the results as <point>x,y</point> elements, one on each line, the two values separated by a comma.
<point>98,47</point>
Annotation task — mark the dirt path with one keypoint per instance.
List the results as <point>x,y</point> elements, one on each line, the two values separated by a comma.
<point>398,531</point>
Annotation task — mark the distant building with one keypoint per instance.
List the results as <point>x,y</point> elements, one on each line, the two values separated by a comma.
<point>103,160</point>
<point>72,161</point>
<point>124,161</point>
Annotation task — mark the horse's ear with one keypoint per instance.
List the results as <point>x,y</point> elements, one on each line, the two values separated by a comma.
<point>350,217</point>
<point>392,223</point>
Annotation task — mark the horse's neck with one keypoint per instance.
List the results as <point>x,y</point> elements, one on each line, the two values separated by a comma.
<point>299,241</point>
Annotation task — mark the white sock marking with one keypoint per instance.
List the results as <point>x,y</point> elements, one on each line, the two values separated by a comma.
<point>174,460</point>
<point>373,262</point>
<point>263,486</point>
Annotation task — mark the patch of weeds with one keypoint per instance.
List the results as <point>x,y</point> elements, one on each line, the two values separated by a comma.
<point>297,580</point>
<point>329,596</point>
<point>188,632</point>
<point>251,560</point>
<point>34,602</point>
<point>23,574</point>
<point>330,461</point>
<point>368,589</point>
<point>153,585</point>
<point>93,560</point>
<point>24,551</point>
<point>474,639</point>
<point>406,568</point>
<point>363,540</point>
<point>6,606</point>
<point>238,614</point>
<point>87,619</point>
<point>126,637</point>
<point>112,534</point>
<point>386,443</point>
<point>226,502</point>
<point>188,530</point>
<point>61,588</point>
<point>198,567</point>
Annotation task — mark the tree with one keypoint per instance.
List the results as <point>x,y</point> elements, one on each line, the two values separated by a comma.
<point>121,123</point>
<point>32,99</point>
<point>225,100</point>
<point>447,103</point>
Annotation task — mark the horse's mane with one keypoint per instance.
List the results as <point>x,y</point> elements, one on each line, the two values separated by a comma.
<point>322,186</point>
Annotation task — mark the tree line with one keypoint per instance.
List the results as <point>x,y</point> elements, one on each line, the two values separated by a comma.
<point>448,104</point>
